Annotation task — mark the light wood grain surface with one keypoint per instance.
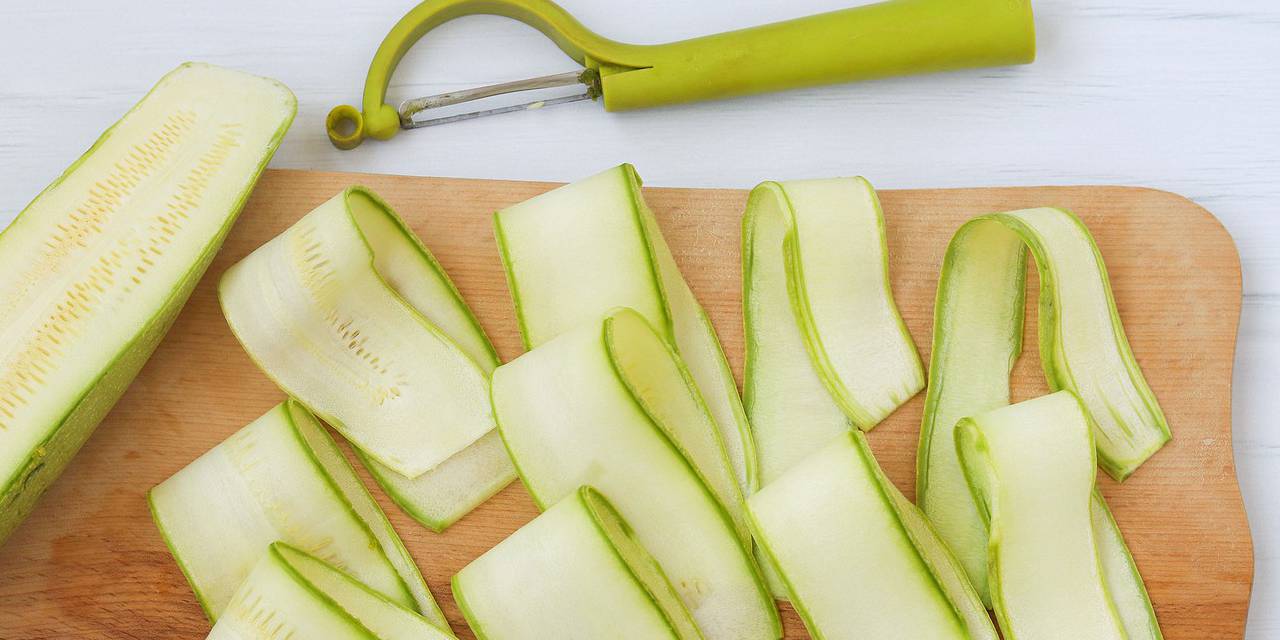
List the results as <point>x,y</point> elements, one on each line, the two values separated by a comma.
<point>1174,94</point>
<point>90,564</point>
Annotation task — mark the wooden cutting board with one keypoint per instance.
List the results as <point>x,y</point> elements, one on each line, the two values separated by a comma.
<point>89,563</point>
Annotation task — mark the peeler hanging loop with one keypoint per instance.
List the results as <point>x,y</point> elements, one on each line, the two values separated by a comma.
<point>895,37</point>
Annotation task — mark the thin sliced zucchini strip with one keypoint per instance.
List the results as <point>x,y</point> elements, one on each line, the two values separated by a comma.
<point>350,313</point>
<point>816,274</point>
<point>978,336</point>
<point>659,383</point>
<point>94,271</point>
<point>293,594</point>
<point>575,253</point>
<point>1124,582</point>
<point>858,559</point>
<point>574,572</point>
<point>568,419</point>
<point>281,478</point>
<point>1031,468</point>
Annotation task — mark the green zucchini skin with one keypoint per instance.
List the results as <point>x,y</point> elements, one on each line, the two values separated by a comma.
<point>23,485</point>
<point>978,321</point>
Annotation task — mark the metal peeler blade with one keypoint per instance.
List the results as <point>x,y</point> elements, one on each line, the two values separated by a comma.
<point>414,106</point>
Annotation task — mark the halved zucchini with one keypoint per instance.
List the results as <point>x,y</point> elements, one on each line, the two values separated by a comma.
<point>568,420</point>
<point>1031,468</point>
<point>96,268</point>
<point>576,571</point>
<point>858,559</point>
<point>281,478</point>
<point>978,336</point>
<point>293,594</point>
<point>350,313</point>
<point>575,253</point>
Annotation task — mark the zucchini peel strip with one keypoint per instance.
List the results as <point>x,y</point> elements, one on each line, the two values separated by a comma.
<point>569,419</point>
<point>857,558</point>
<point>293,594</point>
<point>574,572</point>
<point>348,312</point>
<point>978,319</point>
<point>1057,561</point>
<point>94,271</point>
<point>280,478</point>
<point>575,253</point>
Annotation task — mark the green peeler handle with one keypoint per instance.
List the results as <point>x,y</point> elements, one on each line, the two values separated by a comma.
<point>897,37</point>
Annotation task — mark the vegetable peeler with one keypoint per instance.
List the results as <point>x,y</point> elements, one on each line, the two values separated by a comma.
<point>897,37</point>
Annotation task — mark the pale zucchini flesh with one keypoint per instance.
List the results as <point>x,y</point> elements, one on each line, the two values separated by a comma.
<point>312,309</point>
<point>791,412</point>
<point>858,559</point>
<point>657,380</point>
<point>441,496</point>
<point>574,572</point>
<point>567,420</point>
<point>978,319</point>
<point>825,240</point>
<point>575,253</point>
<point>281,478</point>
<point>293,594</point>
<point>94,270</point>
<point>1031,467</point>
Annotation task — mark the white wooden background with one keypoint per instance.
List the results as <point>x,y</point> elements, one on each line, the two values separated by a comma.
<point>1182,95</point>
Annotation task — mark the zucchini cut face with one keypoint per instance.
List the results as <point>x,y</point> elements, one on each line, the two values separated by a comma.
<point>568,419</point>
<point>575,253</point>
<point>1031,467</point>
<point>95,269</point>
<point>293,594</point>
<point>348,312</point>
<point>574,572</point>
<point>281,478</point>
<point>978,336</point>
<point>858,559</point>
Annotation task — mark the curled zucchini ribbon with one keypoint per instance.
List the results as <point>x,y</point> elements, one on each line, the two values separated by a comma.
<point>1056,558</point>
<point>858,559</point>
<point>576,571</point>
<point>575,253</point>
<point>608,405</point>
<point>280,478</point>
<point>349,313</point>
<point>978,319</point>
<point>825,344</point>
<point>293,594</point>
